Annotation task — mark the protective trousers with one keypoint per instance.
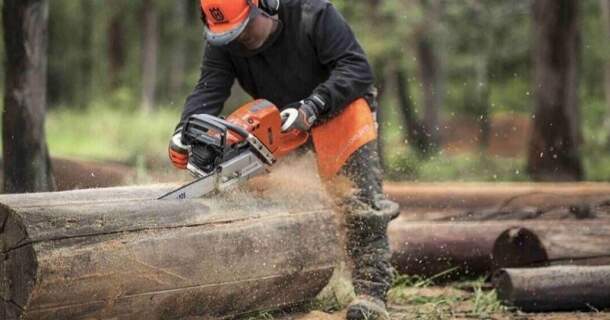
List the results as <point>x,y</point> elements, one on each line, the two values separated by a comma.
<point>367,214</point>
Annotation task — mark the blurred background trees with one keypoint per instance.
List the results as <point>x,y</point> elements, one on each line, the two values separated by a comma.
<point>469,90</point>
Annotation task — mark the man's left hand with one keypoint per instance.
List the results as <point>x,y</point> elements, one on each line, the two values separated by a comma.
<point>300,116</point>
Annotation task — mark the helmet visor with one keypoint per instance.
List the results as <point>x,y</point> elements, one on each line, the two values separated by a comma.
<point>223,38</point>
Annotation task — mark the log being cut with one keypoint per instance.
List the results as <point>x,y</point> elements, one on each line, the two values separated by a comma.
<point>558,288</point>
<point>118,254</point>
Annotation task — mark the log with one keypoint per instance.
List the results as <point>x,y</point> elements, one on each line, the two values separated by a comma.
<point>500,201</point>
<point>478,248</point>
<point>554,243</point>
<point>558,288</point>
<point>430,248</point>
<point>473,196</point>
<point>119,254</point>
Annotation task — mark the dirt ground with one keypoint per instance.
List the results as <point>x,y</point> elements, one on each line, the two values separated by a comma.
<point>508,135</point>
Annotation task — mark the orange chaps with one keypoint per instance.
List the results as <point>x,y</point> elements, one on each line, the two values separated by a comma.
<point>337,139</point>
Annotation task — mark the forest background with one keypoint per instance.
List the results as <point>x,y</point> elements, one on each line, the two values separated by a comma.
<point>458,83</point>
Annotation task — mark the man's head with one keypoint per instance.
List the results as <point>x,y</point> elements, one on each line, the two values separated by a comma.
<point>247,22</point>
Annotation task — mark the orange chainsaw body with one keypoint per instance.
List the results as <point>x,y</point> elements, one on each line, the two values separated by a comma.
<point>262,119</point>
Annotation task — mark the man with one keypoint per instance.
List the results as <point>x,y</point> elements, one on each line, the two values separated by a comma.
<point>302,55</point>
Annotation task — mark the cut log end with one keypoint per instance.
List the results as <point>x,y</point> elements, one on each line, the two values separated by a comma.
<point>18,264</point>
<point>517,247</point>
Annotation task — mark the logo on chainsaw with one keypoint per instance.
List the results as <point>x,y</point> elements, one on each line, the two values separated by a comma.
<point>217,14</point>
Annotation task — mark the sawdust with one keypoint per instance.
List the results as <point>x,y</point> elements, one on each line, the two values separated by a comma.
<point>292,185</point>
<point>294,179</point>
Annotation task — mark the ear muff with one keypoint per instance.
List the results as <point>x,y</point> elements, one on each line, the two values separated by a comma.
<point>271,7</point>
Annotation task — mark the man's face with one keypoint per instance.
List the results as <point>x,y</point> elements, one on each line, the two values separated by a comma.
<point>256,33</point>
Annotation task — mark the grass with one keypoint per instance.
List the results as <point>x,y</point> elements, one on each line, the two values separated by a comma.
<point>417,298</point>
<point>116,132</point>
<point>103,133</point>
<point>463,167</point>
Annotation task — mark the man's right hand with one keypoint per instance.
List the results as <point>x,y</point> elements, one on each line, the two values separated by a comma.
<point>178,152</point>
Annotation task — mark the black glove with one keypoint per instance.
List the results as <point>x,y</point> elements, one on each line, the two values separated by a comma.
<point>301,115</point>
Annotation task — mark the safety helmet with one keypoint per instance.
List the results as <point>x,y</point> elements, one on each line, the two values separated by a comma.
<point>225,20</point>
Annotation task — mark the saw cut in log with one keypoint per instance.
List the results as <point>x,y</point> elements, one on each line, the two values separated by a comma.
<point>558,288</point>
<point>553,243</point>
<point>119,254</point>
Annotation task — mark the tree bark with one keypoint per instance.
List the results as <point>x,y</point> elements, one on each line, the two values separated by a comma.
<point>117,253</point>
<point>27,166</point>
<point>554,288</point>
<point>150,52</point>
<point>554,151</point>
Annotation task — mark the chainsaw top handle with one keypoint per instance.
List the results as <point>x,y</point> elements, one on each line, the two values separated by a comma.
<point>198,127</point>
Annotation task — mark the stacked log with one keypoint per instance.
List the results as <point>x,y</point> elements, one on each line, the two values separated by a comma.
<point>556,288</point>
<point>478,248</point>
<point>118,253</point>
<point>558,243</point>
<point>432,248</point>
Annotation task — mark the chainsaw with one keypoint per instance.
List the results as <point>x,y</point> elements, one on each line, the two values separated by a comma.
<point>226,152</point>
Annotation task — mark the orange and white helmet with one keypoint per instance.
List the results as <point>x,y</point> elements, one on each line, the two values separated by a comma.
<point>225,20</point>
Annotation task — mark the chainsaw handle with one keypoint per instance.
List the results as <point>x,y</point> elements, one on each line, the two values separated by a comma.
<point>231,126</point>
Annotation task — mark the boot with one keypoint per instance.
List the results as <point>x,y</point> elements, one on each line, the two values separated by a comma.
<point>367,308</point>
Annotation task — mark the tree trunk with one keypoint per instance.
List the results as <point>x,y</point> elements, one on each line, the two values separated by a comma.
<point>381,85</point>
<point>150,52</point>
<point>119,254</point>
<point>117,50</point>
<point>430,76</point>
<point>86,58</point>
<point>555,288</point>
<point>27,167</point>
<point>554,151</point>
<point>605,11</point>
<point>417,134</point>
<point>178,50</point>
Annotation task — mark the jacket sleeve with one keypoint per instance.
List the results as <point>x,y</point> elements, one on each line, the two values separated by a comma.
<point>337,48</point>
<point>213,87</point>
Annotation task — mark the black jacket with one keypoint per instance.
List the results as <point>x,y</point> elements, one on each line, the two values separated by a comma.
<point>315,53</point>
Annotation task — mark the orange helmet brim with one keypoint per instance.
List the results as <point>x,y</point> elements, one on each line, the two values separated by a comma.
<point>218,37</point>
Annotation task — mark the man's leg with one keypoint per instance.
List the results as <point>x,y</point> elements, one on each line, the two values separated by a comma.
<point>367,214</point>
